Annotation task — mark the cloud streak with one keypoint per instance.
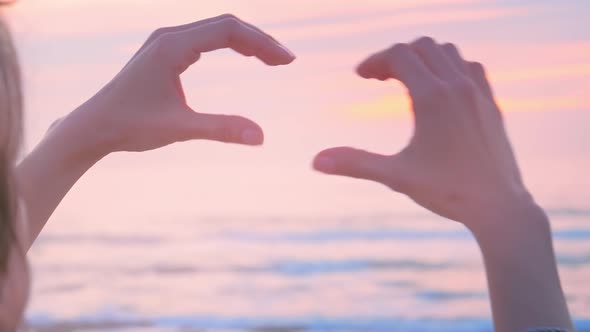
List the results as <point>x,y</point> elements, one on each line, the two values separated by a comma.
<point>399,105</point>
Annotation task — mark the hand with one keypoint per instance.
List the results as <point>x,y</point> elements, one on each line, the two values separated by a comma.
<point>459,163</point>
<point>144,106</point>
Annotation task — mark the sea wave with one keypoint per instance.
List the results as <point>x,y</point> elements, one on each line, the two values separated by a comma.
<point>328,235</point>
<point>41,323</point>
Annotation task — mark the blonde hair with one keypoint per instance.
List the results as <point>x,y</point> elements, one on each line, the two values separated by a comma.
<point>11,105</point>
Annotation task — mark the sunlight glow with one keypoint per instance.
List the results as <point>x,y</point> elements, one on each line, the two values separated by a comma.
<point>560,71</point>
<point>386,106</point>
<point>399,105</point>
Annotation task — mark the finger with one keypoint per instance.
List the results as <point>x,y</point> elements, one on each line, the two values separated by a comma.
<point>159,32</point>
<point>398,62</point>
<point>455,56</point>
<point>478,75</point>
<point>435,58</point>
<point>182,49</point>
<point>221,128</point>
<point>359,164</point>
<point>55,124</point>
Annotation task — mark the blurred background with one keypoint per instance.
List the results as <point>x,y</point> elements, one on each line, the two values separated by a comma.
<point>203,236</point>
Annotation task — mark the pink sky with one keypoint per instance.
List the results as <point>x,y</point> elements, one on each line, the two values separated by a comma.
<point>537,53</point>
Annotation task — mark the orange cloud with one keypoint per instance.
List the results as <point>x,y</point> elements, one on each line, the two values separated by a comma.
<point>399,105</point>
<point>392,105</point>
<point>515,54</point>
<point>550,103</point>
<point>551,71</point>
<point>413,18</point>
<point>85,18</point>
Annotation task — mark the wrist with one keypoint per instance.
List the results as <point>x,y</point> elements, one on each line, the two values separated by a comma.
<point>521,269</point>
<point>515,208</point>
<point>514,225</point>
<point>78,137</point>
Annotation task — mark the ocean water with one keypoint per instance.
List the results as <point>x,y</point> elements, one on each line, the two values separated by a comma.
<point>405,272</point>
<point>150,258</point>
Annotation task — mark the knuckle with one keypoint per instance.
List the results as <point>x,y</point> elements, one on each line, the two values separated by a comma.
<point>158,32</point>
<point>54,124</point>
<point>477,67</point>
<point>433,93</point>
<point>163,39</point>
<point>161,45</point>
<point>223,134</point>
<point>228,16</point>
<point>464,88</point>
<point>450,47</point>
<point>225,129</point>
<point>424,43</point>
<point>231,22</point>
<point>438,90</point>
<point>398,50</point>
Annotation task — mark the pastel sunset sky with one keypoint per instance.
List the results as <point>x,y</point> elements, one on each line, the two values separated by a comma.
<point>537,54</point>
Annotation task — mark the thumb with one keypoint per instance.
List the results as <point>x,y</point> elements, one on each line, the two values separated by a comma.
<point>360,164</point>
<point>221,128</point>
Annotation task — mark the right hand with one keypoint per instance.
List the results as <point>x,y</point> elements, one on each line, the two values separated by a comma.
<point>459,163</point>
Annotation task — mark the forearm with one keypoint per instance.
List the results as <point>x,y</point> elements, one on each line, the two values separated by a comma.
<point>47,174</point>
<point>521,269</point>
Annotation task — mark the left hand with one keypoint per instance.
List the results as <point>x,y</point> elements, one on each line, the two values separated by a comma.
<point>459,162</point>
<point>144,106</point>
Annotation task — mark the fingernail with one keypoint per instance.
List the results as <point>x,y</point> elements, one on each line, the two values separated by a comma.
<point>291,54</point>
<point>324,164</point>
<point>252,137</point>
